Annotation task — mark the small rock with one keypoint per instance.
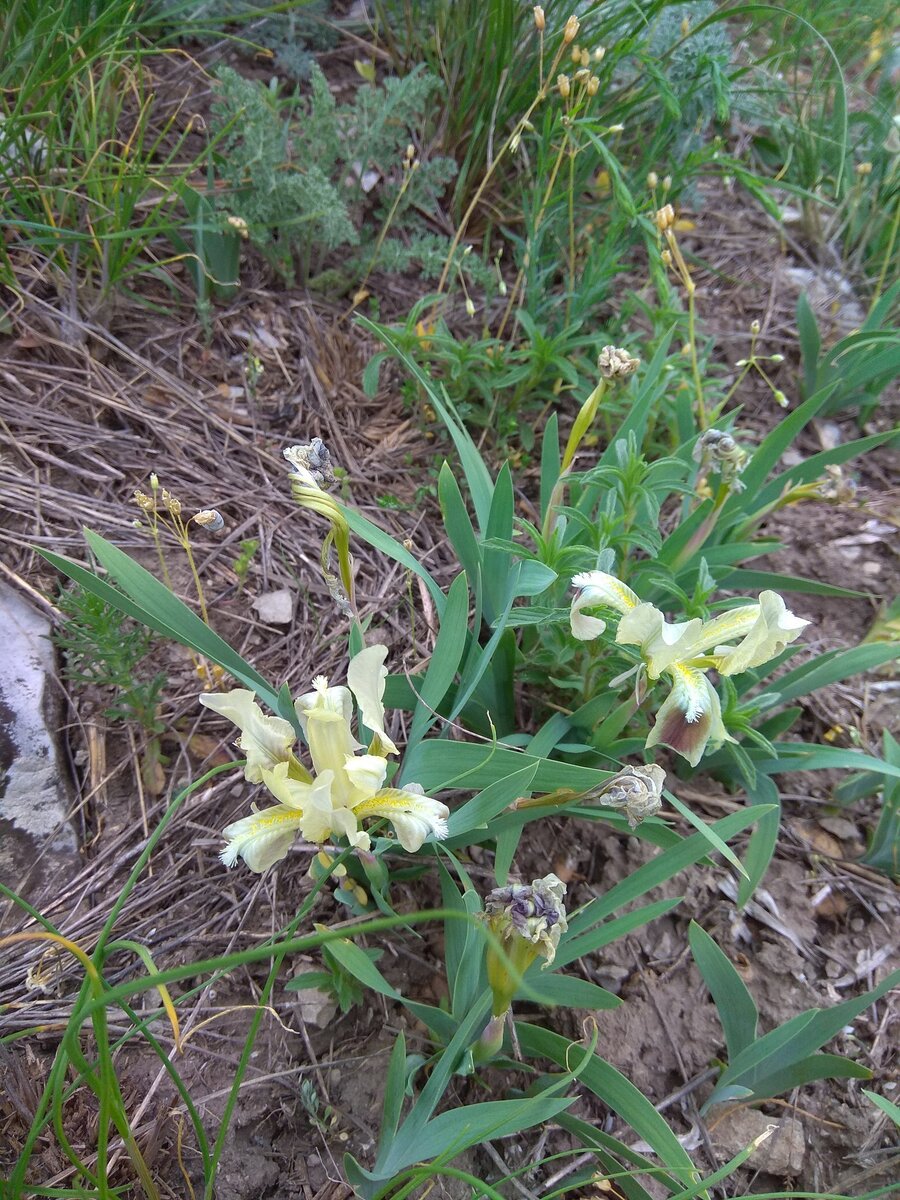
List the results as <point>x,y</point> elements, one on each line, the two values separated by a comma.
<point>315,1007</point>
<point>830,435</point>
<point>275,608</point>
<point>841,828</point>
<point>782,1153</point>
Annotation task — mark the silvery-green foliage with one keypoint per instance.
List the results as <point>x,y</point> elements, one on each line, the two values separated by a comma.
<point>304,171</point>
<point>287,200</point>
<point>696,66</point>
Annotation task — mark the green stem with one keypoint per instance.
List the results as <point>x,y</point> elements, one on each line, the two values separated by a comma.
<point>888,254</point>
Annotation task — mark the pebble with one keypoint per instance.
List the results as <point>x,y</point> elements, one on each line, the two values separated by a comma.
<point>782,1153</point>
<point>275,608</point>
<point>841,828</point>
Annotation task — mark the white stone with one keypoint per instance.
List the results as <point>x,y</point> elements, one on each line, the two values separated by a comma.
<point>275,608</point>
<point>34,793</point>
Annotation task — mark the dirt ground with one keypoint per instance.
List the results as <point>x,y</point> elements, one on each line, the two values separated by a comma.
<point>87,414</point>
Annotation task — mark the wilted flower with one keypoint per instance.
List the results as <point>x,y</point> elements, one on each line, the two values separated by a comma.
<point>312,462</point>
<point>836,486</point>
<point>718,451</point>
<point>344,787</point>
<point>528,920</point>
<point>615,363</point>
<point>636,789</point>
<point>209,518</point>
<point>691,715</point>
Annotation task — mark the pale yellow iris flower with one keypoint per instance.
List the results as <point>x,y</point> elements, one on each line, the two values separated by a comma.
<point>691,716</point>
<point>344,787</point>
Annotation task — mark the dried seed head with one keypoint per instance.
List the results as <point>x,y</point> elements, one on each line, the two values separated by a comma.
<point>599,54</point>
<point>540,21</point>
<point>564,85</point>
<point>864,168</point>
<point>144,502</point>
<point>636,789</point>
<point>666,256</point>
<point>576,54</point>
<point>616,363</point>
<point>652,180</point>
<point>585,58</point>
<point>665,218</point>
<point>570,33</point>
<point>239,225</point>
<point>593,85</point>
<point>209,518</point>
<point>667,182</point>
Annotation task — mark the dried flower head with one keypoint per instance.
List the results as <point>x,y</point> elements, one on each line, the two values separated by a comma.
<point>312,462</point>
<point>239,225</point>
<point>144,502</point>
<point>652,180</point>
<point>171,503</point>
<point>599,54</point>
<point>593,85</point>
<point>665,218</point>
<point>209,518</point>
<point>636,789</point>
<point>616,363</point>
<point>564,85</point>
<point>540,21</point>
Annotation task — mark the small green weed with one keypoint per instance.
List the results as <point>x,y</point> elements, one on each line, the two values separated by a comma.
<point>104,649</point>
